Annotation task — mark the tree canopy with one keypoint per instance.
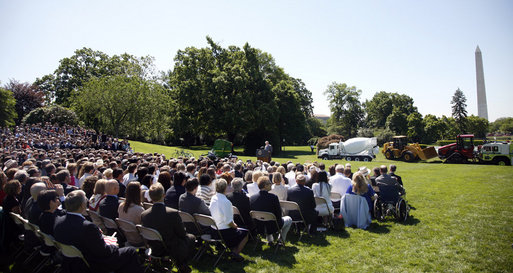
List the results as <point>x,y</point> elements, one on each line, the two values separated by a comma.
<point>27,97</point>
<point>459,110</point>
<point>346,109</point>
<point>8,110</point>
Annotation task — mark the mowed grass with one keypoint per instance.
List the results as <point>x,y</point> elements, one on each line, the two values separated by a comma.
<point>461,221</point>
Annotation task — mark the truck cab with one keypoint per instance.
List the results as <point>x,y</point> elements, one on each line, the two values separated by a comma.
<point>500,153</point>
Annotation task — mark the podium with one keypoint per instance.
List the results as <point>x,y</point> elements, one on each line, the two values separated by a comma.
<point>263,155</point>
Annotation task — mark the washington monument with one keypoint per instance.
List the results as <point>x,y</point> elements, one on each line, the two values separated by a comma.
<point>482,107</point>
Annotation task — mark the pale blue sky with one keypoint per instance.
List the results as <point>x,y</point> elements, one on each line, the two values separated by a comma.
<point>424,49</point>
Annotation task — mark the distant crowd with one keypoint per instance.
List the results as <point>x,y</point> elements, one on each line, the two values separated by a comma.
<point>57,177</point>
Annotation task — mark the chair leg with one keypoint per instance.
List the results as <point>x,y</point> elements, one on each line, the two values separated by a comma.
<point>220,256</point>
<point>42,264</point>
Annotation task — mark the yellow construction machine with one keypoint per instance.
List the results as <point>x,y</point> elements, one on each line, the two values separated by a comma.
<point>401,150</point>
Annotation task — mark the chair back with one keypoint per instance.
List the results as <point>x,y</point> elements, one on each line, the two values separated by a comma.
<point>147,205</point>
<point>47,239</point>
<point>70,251</point>
<point>149,234</point>
<point>205,220</point>
<point>319,201</point>
<point>236,211</point>
<point>18,220</point>
<point>97,220</point>
<point>288,205</point>
<point>109,223</point>
<point>130,231</point>
<point>335,196</point>
<point>263,216</point>
<point>189,222</point>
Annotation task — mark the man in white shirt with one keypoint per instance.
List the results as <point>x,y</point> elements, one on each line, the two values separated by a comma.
<point>291,175</point>
<point>339,182</point>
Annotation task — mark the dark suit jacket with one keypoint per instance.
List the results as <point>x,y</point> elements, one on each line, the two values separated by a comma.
<point>192,204</point>
<point>173,195</point>
<point>388,180</point>
<point>241,201</point>
<point>398,178</point>
<point>122,189</point>
<point>84,235</point>
<point>265,201</point>
<point>304,197</point>
<point>68,188</point>
<point>169,224</point>
<point>46,223</point>
<point>109,207</point>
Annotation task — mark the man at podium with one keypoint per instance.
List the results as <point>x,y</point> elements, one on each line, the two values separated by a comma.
<point>269,148</point>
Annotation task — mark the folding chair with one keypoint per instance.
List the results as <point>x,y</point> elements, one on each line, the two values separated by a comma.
<point>97,220</point>
<point>207,221</point>
<point>18,220</point>
<point>129,230</point>
<point>319,201</point>
<point>287,207</point>
<point>147,205</point>
<point>49,241</point>
<point>335,199</point>
<point>190,224</point>
<point>152,236</point>
<point>70,251</point>
<point>29,227</point>
<point>109,224</point>
<point>236,213</point>
<point>265,216</point>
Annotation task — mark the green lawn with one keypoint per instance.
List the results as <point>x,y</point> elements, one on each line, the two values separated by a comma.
<point>461,221</point>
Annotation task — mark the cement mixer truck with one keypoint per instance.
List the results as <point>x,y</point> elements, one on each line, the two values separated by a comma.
<point>354,149</point>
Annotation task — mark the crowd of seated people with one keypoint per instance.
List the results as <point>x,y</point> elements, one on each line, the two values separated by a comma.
<point>54,187</point>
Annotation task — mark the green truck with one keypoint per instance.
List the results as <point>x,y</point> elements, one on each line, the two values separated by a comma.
<point>222,148</point>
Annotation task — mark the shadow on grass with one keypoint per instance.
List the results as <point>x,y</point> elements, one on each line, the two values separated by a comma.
<point>292,154</point>
<point>286,253</point>
<point>379,227</point>
<point>411,221</point>
<point>226,264</point>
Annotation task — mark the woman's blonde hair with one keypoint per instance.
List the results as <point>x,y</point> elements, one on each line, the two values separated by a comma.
<point>278,179</point>
<point>99,187</point>
<point>359,184</point>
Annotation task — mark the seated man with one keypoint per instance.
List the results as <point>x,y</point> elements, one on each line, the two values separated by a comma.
<point>169,224</point>
<point>265,201</point>
<point>109,205</point>
<point>387,180</point>
<point>304,197</point>
<point>188,201</point>
<point>73,229</point>
<point>393,168</point>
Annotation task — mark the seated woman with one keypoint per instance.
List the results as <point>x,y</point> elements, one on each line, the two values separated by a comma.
<point>222,212</point>
<point>11,204</point>
<point>360,187</point>
<point>98,195</point>
<point>323,189</point>
<point>205,191</point>
<point>131,209</point>
<point>279,189</point>
<point>48,201</point>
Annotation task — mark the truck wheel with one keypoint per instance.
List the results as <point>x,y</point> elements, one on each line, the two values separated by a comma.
<point>408,157</point>
<point>325,157</point>
<point>356,159</point>
<point>348,158</point>
<point>389,155</point>
<point>501,161</point>
<point>366,159</point>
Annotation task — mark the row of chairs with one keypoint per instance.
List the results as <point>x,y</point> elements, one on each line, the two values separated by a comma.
<point>68,251</point>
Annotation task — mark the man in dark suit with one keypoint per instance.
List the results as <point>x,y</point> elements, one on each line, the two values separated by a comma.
<point>168,223</point>
<point>386,180</point>
<point>63,178</point>
<point>304,197</point>
<point>393,168</point>
<point>117,174</point>
<point>109,205</point>
<point>268,202</point>
<point>189,202</point>
<point>73,229</point>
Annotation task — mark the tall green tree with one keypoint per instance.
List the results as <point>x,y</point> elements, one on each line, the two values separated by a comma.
<point>346,109</point>
<point>27,96</point>
<point>478,126</point>
<point>502,125</point>
<point>433,129</point>
<point>382,104</point>
<point>397,121</point>
<point>415,127</point>
<point>85,64</point>
<point>459,110</point>
<point>122,106</point>
<point>8,110</point>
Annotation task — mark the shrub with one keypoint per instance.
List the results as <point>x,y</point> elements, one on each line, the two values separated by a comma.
<point>324,142</point>
<point>385,136</point>
<point>53,114</point>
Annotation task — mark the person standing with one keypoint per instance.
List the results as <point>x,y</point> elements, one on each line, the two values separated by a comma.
<point>269,148</point>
